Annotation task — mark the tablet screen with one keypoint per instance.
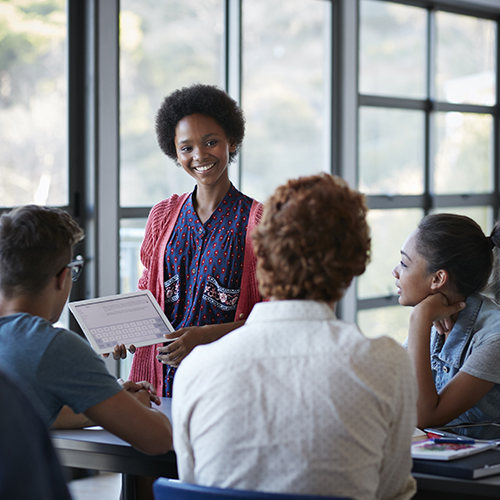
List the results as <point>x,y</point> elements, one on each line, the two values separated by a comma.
<point>134,318</point>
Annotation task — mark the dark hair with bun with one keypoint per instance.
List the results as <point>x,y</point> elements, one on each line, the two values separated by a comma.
<point>458,245</point>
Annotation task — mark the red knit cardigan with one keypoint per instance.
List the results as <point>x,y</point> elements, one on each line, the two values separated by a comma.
<point>159,227</point>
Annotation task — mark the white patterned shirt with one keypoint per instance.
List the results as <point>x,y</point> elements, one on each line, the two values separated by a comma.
<point>297,401</point>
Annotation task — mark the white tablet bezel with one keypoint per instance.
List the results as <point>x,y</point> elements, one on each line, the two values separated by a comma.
<point>73,308</point>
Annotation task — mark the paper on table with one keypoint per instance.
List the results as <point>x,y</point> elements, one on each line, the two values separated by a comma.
<point>418,435</point>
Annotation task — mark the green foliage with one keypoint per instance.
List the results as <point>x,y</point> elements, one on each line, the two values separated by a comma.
<point>27,31</point>
<point>33,163</point>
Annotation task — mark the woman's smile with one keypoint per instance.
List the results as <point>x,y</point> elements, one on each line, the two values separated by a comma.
<point>203,150</point>
<point>204,168</point>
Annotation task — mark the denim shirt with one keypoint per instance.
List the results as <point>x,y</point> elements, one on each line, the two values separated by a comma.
<point>472,346</point>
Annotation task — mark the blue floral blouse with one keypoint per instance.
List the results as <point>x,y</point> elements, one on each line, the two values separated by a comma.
<point>203,265</point>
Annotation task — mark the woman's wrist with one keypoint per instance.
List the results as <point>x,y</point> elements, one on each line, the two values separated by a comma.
<point>421,317</point>
<point>211,333</point>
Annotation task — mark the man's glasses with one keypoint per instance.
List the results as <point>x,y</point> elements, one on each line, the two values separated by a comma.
<point>76,266</point>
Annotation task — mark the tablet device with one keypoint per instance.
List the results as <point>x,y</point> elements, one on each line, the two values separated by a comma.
<point>129,318</point>
<point>488,431</point>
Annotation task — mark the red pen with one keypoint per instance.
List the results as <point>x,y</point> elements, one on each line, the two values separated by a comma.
<point>432,435</point>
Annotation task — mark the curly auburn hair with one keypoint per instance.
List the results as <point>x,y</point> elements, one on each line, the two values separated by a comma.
<point>312,240</point>
<point>207,100</point>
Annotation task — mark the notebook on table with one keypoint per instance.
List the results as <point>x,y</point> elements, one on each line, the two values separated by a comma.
<point>431,450</point>
<point>129,318</point>
<point>486,463</point>
<point>461,460</point>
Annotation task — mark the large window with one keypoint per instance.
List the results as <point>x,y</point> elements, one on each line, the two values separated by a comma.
<point>283,83</point>
<point>285,92</point>
<point>161,49</point>
<point>427,124</point>
<point>399,97</point>
<point>33,103</point>
<point>163,46</point>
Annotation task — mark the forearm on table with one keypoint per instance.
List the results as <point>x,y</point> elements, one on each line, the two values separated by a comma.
<point>215,332</point>
<point>147,429</point>
<point>68,419</point>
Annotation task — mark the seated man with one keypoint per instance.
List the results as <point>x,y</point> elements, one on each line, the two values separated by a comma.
<point>29,466</point>
<point>296,400</point>
<point>54,367</point>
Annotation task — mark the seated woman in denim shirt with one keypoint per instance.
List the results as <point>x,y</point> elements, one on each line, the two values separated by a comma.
<point>445,263</point>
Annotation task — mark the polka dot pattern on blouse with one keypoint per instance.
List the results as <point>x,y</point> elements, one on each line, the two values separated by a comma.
<point>204,263</point>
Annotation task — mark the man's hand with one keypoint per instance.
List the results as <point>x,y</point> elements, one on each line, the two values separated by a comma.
<point>144,391</point>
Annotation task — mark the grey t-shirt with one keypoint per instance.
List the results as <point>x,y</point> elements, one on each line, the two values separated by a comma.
<point>53,366</point>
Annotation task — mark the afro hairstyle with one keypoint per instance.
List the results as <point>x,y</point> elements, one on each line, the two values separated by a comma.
<point>208,100</point>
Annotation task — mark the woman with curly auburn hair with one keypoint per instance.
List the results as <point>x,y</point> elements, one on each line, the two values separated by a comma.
<point>297,401</point>
<point>312,241</point>
<point>197,252</point>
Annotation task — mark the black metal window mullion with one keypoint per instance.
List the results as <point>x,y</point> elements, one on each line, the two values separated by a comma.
<point>429,126</point>
<point>77,53</point>
<point>496,133</point>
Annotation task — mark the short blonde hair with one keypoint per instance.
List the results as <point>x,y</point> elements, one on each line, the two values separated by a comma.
<point>312,240</point>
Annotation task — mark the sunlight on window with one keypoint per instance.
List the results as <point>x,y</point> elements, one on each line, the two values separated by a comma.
<point>463,144</point>
<point>131,236</point>
<point>392,49</point>
<point>161,50</point>
<point>465,61</point>
<point>33,103</point>
<point>391,151</point>
<point>284,92</point>
<point>391,321</point>
<point>389,230</point>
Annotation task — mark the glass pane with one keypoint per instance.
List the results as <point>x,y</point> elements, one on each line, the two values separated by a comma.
<point>389,229</point>
<point>465,59</point>
<point>391,321</point>
<point>131,236</point>
<point>482,215</point>
<point>285,96</point>
<point>464,145</point>
<point>392,49</point>
<point>33,103</point>
<point>391,151</point>
<point>163,46</point>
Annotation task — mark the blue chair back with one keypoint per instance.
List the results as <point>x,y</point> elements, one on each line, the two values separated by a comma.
<point>165,489</point>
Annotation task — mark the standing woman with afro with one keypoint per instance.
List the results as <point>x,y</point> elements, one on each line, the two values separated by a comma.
<point>197,253</point>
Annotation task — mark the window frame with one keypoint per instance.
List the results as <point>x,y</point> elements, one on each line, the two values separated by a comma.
<point>93,107</point>
<point>428,201</point>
